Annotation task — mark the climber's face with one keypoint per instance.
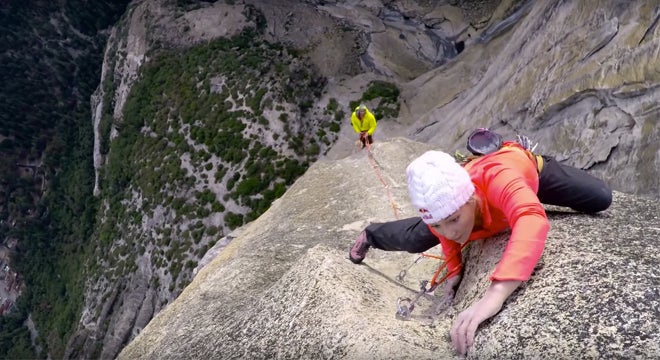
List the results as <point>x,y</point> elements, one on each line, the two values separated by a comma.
<point>458,226</point>
<point>360,114</point>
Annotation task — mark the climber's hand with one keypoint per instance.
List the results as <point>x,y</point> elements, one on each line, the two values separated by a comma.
<point>464,328</point>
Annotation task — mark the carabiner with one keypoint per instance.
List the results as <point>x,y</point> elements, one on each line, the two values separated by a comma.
<point>404,272</point>
<point>404,307</point>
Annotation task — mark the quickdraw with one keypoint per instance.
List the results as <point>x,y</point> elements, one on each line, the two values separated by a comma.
<point>404,272</point>
<point>405,305</point>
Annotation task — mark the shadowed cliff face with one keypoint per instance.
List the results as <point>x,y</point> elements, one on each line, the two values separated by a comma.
<point>580,79</point>
<point>284,287</point>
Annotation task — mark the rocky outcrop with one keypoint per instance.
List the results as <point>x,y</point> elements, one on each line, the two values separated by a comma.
<point>148,25</point>
<point>339,42</point>
<point>580,79</point>
<point>117,308</point>
<point>284,287</point>
<point>577,77</point>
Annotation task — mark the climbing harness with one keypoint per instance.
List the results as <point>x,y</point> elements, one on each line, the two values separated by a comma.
<point>483,141</point>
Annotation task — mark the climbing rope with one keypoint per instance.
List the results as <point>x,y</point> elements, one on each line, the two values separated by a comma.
<point>434,281</point>
<point>406,305</point>
<point>376,169</point>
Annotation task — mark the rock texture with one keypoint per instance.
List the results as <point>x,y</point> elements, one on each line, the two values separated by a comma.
<point>343,42</point>
<point>579,77</point>
<point>284,287</point>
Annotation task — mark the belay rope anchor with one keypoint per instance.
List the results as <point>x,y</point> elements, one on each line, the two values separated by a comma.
<point>405,306</point>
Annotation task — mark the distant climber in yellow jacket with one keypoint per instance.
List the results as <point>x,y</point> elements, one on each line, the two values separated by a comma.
<point>364,123</point>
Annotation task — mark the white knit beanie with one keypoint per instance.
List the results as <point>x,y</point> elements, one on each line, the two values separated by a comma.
<point>438,185</point>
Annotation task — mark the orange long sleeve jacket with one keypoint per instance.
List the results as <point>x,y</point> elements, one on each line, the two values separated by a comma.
<point>506,181</point>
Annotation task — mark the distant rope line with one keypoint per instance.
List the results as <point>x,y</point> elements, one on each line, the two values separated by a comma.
<point>374,166</point>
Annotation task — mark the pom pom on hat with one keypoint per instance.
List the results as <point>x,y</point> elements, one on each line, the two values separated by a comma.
<point>437,185</point>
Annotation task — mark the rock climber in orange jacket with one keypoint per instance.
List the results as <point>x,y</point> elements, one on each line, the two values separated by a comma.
<point>457,204</point>
<point>364,123</point>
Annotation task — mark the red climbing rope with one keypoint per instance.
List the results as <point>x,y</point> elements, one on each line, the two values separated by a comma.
<point>374,166</point>
<point>443,261</point>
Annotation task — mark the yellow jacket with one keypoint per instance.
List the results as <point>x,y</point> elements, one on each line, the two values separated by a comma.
<point>368,122</point>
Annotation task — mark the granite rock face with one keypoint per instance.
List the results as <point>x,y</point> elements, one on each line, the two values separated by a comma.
<point>284,287</point>
<point>578,77</point>
<point>348,43</point>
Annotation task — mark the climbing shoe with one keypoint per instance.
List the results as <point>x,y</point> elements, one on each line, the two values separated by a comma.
<point>359,248</point>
